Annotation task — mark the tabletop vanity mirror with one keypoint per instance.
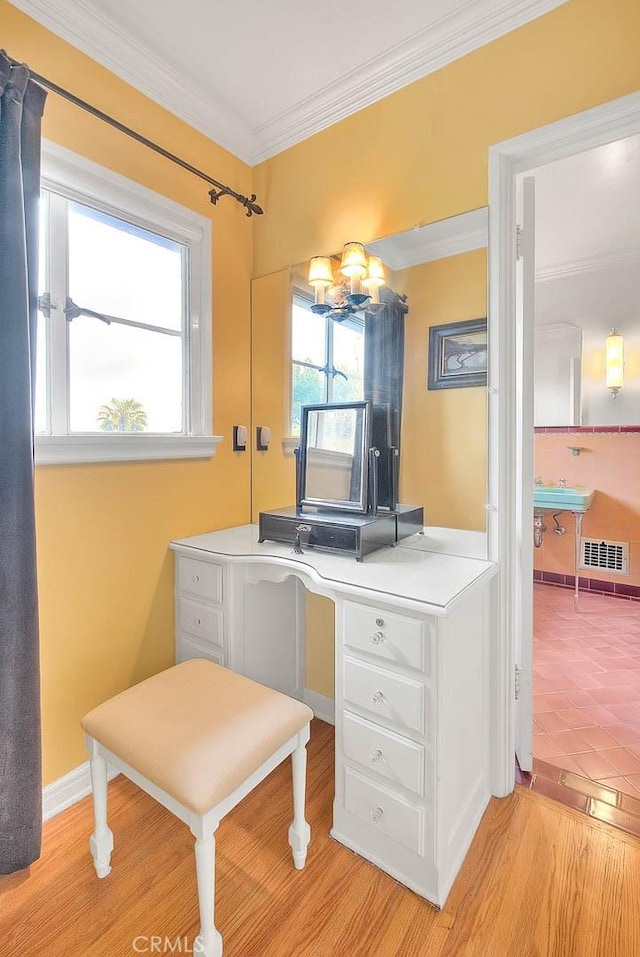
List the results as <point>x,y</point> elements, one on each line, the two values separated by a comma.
<point>338,487</point>
<point>333,457</point>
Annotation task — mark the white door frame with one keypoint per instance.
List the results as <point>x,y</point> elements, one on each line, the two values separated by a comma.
<point>595,127</point>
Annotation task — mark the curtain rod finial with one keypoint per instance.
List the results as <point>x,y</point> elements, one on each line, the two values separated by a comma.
<point>249,202</point>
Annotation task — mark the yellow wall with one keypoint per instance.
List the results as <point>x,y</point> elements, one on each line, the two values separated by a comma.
<point>421,155</point>
<point>320,645</point>
<point>105,574</point>
<point>274,476</point>
<point>444,432</point>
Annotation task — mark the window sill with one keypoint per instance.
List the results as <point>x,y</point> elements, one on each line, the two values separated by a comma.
<point>84,449</point>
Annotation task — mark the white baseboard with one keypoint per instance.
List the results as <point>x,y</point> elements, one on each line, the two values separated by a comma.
<point>68,790</point>
<point>322,706</point>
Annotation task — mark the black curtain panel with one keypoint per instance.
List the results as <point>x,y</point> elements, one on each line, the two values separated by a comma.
<point>383,378</point>
<point>21,106</point>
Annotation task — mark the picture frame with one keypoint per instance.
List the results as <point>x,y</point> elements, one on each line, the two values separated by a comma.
<point>458,355</point>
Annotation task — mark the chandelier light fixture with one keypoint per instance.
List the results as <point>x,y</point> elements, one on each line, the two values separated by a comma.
<point>354,285</point>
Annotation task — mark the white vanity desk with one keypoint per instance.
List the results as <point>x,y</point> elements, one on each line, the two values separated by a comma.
<point>411,695</point>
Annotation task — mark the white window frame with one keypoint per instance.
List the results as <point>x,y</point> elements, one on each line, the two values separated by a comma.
<point>77,178</point>
<point>303,298</point>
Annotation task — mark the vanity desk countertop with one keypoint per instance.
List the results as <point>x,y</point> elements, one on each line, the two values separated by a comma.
<point>411,686</point>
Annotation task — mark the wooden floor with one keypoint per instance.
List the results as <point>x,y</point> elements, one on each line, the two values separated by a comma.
<point>540,879</point>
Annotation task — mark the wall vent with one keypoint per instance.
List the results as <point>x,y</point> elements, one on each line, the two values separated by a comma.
<point>609,556</point>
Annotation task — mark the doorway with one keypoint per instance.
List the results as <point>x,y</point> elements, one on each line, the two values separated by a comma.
<point>511,408</point>
<point>586,418</point>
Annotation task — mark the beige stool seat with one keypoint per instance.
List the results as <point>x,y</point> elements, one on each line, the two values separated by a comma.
<point>197,730</point>
<point>197,738</point>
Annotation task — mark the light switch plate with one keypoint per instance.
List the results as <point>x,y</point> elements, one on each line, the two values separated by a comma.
<point>239,438</point>
<point>263,438</point>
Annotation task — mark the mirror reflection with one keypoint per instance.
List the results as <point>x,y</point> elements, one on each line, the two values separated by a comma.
<point>587,291</point>
<point>433,275</point>
<point>333,457</point>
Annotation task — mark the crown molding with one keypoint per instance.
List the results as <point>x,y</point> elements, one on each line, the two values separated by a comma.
<point>558,330</point>
<point>77,22</point>
<point>424,244</point>
<point>474,24</point>
<point>576,267</point>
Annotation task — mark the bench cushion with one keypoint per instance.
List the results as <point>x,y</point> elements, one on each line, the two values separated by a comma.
<point>196,730</point>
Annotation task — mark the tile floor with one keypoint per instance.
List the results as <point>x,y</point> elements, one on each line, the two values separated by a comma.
<point>596,800</point>
<point>586,686</point>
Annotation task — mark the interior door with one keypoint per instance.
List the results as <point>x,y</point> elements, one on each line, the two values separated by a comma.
<point>523,624</point>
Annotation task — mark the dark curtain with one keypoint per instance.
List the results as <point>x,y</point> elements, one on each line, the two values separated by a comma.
<point>21,106</point>
<point>383,378</point>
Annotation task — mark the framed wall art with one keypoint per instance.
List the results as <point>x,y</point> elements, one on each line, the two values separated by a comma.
<point>458,355</point>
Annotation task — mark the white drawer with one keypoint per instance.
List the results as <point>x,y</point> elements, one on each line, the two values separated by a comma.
<point>386,753</point>
<point>398,699</point>
<point>200,578</point>
<point>200,621</point>
<point>386,812</point>
<point>405,641</point>
<point>187,648</point>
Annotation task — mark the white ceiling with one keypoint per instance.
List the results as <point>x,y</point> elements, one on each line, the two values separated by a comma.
<point>588,266</point>
<point>257,76</point>
<point>588,210</point>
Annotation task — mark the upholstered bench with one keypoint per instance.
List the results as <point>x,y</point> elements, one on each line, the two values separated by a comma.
<point>197,738</point>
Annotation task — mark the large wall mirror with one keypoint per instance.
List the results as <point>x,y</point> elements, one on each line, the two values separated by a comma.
<point>435,275</point>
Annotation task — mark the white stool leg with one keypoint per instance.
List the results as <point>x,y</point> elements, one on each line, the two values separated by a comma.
<point>299,832</point>
<point>208,943</point>
<point>101,841</point>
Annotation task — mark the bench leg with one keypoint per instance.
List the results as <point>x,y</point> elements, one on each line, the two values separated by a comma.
<point>208,943</point>
<point>101,841</point>
<point>299,832</point>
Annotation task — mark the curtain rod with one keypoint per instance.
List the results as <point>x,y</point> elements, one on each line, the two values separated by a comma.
<point>249,202</point>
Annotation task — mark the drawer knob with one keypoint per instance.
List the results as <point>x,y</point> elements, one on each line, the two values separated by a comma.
<point>196,623</point>
<point>194,579</point>
<point>380,622</point>
<point>377,697</point>
<point>377,814</point>
<point>376,756</point>
<point>378,638</point>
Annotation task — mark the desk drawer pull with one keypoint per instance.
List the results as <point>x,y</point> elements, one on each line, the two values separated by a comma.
<point>384,753</point>
<point>397,638</point>
<point>386,811</point>
<point>203,621</point>
<point>201,579</point>
<point>396,697</point>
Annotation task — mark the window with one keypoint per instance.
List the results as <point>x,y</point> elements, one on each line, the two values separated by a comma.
<point>327,359</point>
<point>124,342</point>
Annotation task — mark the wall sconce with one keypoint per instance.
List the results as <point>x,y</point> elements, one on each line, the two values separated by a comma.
<point>358,282</point>
<point>614,362</point>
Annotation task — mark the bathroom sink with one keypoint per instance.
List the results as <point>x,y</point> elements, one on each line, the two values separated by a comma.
<point>556,498</point>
